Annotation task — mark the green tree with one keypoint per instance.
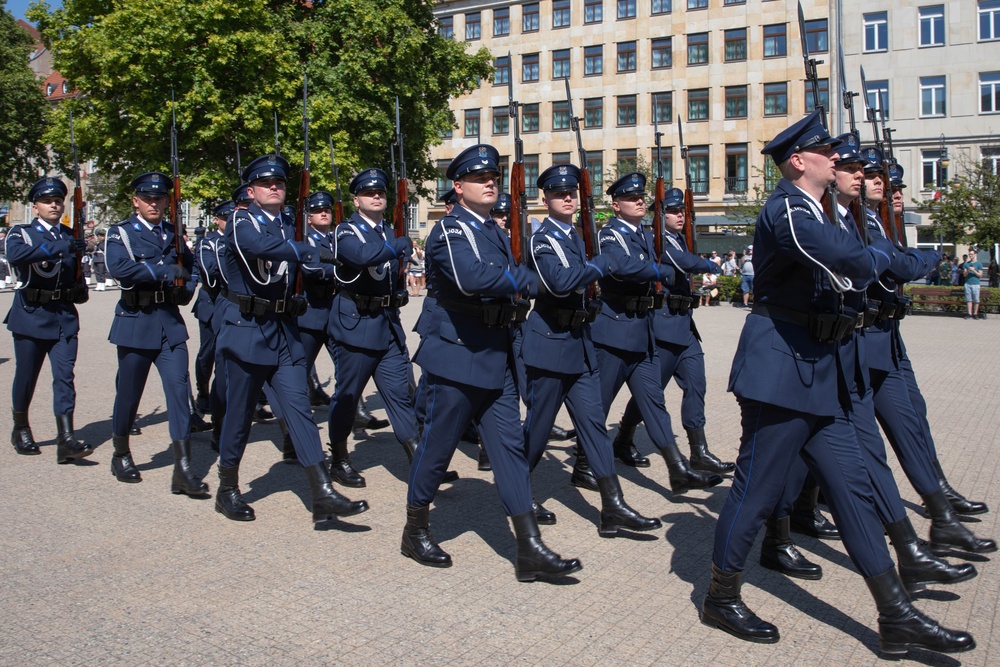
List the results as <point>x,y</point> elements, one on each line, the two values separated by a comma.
<point>233,63</point>
<point>968,210</point>
<point>23,110</point>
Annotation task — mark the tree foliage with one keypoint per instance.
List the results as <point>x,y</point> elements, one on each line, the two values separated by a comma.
<point>968,210</point>
<point>232,63</point>
<point>23,111</point>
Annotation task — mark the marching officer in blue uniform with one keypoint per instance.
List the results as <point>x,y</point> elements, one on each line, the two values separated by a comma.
<point>794,399</point>
<point>43,317</point>
<point>148,327</point>
<point>368,338</point>
<point>501,210</point>
<point>624,330</point>
<point>558,353</point>
<point>678,347</point>
<point>204,305</point>
<point>260,342</point>
<point>465,353</point>
<point>893,387</point>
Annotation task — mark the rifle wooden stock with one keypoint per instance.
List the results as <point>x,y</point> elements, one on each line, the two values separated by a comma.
<point>78,223</point>
<point>338,212</point>
<point>689,217</point>
<point>588,228</point>
<point>516,221</point>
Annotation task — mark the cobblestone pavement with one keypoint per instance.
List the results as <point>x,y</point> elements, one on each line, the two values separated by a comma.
<point>98,572</point>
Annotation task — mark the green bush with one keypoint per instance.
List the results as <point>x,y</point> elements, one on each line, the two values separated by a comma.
<point>729,289</point>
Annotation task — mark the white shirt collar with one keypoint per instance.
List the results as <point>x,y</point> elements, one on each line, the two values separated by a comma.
<point>148,225</point>
<point>810,197</point>
<point>566,229</point>
<point>368,220</point>
<point>632,227</point>
<point>46,226</point>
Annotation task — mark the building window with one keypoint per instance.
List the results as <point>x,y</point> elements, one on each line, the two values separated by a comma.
<point>593,11</point>
<point>472,123</point>
<point>934,175</point>
<point>501,120</point>
<point>931,25</point>
<point>531,176</point>
<point>473,26</point>
<point>771,175</point>
<point>560,116</point>
<point>932,96</point>
<point>775,41</point>
<point>443,182</point>
<point>697,4</point>
<point>529,118</point>
<point>698,48</point>
<point>627,160</point>
<point>50,88</point>
<point>593,112</point>
<point>991,159</point>
<point>698,104</point>
<point>560,64</point>
<point>877,95</point>
<point>446,27</point>
<point>876,31</point>
<point>736,45</point>
<point>817,36</point>
<point>529,67</point>
<point>661,6</point>
<point>665,168</point>
<point>593,60</point>
<point>734,2</point>
<point>529,18</point>
<point>501,22</point>
<point>663,107</point>
<point>663,52</point>
<point>626,110</point>
<point>776,99</point>
<point>626,57</point>
<point>501,70</point>
<point>447,133</point>
<point>698,158</point>
<point>736,168</point>
<point>824,95</point>
<point>736,101</point>
<point>595,163</point>
<point>65,87</point>
<point>989,92</point>
<point>989,20</point>
<point>626,9</point>
<point>560,13</point>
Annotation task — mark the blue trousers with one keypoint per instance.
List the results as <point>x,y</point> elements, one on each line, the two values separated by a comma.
<point>133,370</point>
<point>545,394</point>
<point>391,372</point>
<point>902,425</point>
<point>639,370</point>
<point>204,361</point>
<point>686,364</point>
<point>450,407</point>
<point>290,401</point>
<point>919,405</point>
<point>773,439</point>
<point>29,355</point>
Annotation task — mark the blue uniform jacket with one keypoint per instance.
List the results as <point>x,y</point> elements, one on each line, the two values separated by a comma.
<point>42,260</point>
<point>885,346</point>
<point>142,259</point>
<point>795,245</point>
<point>318,315</point>
<point>260,259</point>
<point>470,262</point>
<point>564,273</point>
<point>636,271</point>
<point>678,328</point>
<point>204,252</point>
<point>370,267</point>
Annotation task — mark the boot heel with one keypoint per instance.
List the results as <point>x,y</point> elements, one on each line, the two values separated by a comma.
<point>893,648</point>
<point>608,530</point>
<point>527,577</point>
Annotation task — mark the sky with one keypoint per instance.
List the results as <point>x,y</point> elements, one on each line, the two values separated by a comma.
<point>19,7</point>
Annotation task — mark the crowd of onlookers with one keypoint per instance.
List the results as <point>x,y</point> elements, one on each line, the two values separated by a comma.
<point>735,264</point>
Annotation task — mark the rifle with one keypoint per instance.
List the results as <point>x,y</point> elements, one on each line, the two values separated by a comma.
<point>239,162</point>
<point>884,208</point>
<point>588,226</point>
<point>889,158</point>
<point>338,207</point>
<point>300,209</point>
<point>277,149</point>
<point>660,192</point>
<point>399,213</point>
<point>175,194</point>
<point>829,199</point>
<point>518,221</point>
<point>79,214</point>
<point>689,234</point>
<point>858,205</point>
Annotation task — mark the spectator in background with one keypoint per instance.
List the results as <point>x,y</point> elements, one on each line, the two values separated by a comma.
<point>729,267</point>
<point>954,272</point>
<point>994,273</point>
<point>944,270</point>
<point>972,271</point>
<point>415,271</point>
<point>708,289</point>
<point>715,258</point>
<point>746,271</point>
<point>961,272</point>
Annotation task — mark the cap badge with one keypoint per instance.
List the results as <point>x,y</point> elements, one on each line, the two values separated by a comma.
<point>563,171</point>
<point>155,178</point>
<point>371,173</point>
<point>482,151</point>
<point>270,159</point>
